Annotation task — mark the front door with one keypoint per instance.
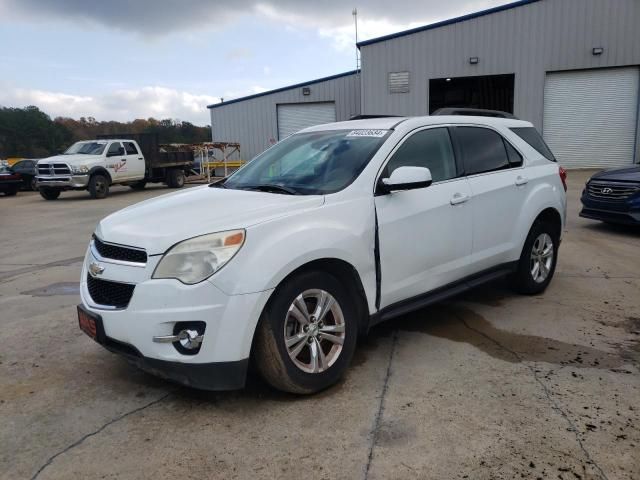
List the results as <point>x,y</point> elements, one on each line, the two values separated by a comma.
<point>424,234</point>
<point>117,164</point>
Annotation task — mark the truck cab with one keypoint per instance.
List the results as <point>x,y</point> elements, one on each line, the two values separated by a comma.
<point>95,165</point>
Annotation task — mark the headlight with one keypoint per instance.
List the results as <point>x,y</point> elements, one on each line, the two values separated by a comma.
<point>79,170</point>
<point>196,259</point>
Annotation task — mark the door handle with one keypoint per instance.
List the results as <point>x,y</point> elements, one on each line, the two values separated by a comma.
<point>459,198</point>
<point>140,158</point>
<point>520,180</point>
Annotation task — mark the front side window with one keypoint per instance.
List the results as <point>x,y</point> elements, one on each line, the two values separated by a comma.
<point>429,148</point>
<point>314,163</point>
<point>115,148</point>
<point>483,150</point>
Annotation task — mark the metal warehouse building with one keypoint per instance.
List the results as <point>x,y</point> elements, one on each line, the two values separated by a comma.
<point>569,66</point>
<point>258,121</point>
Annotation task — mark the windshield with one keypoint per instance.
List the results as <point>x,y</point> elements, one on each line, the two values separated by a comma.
<point>87,148</point>
<point>314,163</point>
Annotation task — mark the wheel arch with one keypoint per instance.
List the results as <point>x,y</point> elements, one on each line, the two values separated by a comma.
<point>551,216</point>
<point>101,171</point>
<point>345,273</point>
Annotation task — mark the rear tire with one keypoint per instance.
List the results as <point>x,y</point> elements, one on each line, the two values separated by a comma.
<point>11,192</point>
<point>98,186</point>
<point>285,345</point>
<point>538,260</point>
<point>49,193</point>
<point>175,178</point>
<point>138,185</point>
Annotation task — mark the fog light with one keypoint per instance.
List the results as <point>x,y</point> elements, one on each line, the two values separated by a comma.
<point>187,337</point>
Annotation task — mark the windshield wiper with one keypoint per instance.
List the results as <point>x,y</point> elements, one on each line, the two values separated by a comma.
<point>268,187</point>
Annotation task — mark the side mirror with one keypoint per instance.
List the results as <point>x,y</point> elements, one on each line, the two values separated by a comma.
<point>406,178</point>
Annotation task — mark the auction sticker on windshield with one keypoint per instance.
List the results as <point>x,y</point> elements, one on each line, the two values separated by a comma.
<point>367,133</point>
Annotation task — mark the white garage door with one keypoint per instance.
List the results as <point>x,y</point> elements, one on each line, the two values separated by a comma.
<point>293,117</point>
<point>590,116</point>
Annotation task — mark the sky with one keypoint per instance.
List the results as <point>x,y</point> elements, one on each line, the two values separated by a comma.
<point>127,59</point>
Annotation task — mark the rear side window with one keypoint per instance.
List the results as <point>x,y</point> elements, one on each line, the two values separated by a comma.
<point>429,148</point>
<point>533,138</point>
<point>130,148</point>
<point>483,150</point>
<point>515,159</point>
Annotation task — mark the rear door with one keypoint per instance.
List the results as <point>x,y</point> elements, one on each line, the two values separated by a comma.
<point>498,183</point>
<point>424,234</point>
<point>135,161</point>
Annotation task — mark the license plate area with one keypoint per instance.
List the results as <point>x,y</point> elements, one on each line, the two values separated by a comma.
<point>91,324</point>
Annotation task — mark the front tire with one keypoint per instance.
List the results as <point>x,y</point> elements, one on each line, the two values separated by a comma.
<point>98,186</point>
<point>307,334</point>
<point>49,193</point>
<point>538,260</point>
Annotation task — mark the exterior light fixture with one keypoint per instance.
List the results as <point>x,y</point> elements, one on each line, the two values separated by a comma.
<point>597,50</point>
<point>306,91</point>
<point>447,79</point>
<point>473,60</point>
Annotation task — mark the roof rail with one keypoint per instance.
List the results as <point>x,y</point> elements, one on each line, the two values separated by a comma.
<point>365,117</point>
<point>479,112</point>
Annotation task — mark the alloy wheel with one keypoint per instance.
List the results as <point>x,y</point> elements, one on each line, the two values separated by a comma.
<point>314,331</point>
<point>541,257</point>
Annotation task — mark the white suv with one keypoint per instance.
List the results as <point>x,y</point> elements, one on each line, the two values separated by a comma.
<point>327,233</point>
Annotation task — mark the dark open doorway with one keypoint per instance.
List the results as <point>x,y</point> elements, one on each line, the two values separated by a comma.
<point>492,92</point>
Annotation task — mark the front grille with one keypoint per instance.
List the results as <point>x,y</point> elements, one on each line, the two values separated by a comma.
<point>53,169</point>
<point>611,191</point>
<point>117,252</point>
<point>110,294</point>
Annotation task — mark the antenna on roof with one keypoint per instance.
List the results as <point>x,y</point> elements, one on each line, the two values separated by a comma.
<point>355,21</point>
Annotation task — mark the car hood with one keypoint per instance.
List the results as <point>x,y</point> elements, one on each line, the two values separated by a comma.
<point>627,174</point>
<point>161,222</point>
<point>79,159</point>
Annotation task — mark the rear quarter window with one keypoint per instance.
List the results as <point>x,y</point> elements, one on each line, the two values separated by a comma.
<point>535,140</point>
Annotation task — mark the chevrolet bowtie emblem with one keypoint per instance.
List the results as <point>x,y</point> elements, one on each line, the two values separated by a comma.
<point>95,269</point>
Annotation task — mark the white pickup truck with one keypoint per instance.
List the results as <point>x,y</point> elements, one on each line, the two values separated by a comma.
<point>95,165</point>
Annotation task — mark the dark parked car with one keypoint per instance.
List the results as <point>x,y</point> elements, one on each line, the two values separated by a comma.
<point>613,196</point>
<point>27,169</point>
<point>10,182</point>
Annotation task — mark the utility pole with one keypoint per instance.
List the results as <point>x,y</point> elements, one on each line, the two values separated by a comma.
<point>355,21</point>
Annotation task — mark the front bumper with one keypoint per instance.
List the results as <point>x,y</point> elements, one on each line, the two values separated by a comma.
<point>623,212</point>
<point>63,182</point>
<point>154,309</point>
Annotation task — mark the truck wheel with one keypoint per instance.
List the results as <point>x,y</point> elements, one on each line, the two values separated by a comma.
<point>538,260</point>
<point>49,193</point>
<point>138,185</point>
<point>307,334</point>
<point>175,178</point>
<point>98,186</point>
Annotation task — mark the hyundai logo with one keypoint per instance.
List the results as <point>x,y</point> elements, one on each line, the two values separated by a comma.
<point>95,269</point>
<point>607,190</point>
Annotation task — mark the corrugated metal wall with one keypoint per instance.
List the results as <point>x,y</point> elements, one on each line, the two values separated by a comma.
<point>528,40</point>
<point>253,122</point>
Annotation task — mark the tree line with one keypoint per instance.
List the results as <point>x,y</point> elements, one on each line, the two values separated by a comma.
<point>29,132</point>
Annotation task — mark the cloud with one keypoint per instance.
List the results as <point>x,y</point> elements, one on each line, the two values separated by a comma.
<point>122,104</point>
<point>239,53</point>
<point>160,17</point>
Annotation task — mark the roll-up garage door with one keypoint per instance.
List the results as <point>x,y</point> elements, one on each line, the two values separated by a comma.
<point>293,117</point>
<point>590,116</point>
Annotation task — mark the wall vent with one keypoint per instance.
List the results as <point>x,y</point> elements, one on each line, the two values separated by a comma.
<point>398,82</point>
